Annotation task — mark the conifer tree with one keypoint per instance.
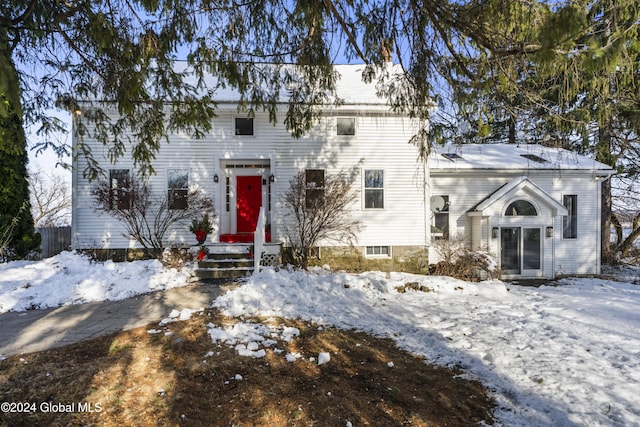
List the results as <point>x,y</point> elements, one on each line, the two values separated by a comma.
<point>551,62</point>
<point>15,211</point>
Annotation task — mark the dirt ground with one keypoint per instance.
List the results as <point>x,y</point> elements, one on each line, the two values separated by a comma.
<point>136,378</point>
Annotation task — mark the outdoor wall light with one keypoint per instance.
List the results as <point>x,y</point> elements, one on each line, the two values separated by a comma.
<point>216,179</point>
<point>272,178</point>
<point>494,233</point>
<point>549,231</point>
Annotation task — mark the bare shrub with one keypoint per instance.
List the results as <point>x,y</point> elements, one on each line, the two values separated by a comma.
<point>318,211</point>
<point>459,261</point>
<point>176,257</point>
<point>146,215</point>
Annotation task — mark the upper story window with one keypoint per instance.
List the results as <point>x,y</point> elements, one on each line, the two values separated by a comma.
<point>244,125</point>
<point>521,208</point>
<point>178,188</point>
<point>120,186</point>
<point>374,189</point>
<point>570,222</point>
<point>346,126</point>
<point>314,181</point>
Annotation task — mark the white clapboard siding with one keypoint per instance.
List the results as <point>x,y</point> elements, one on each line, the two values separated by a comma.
<point>381,142</point>
<point>466,188</point>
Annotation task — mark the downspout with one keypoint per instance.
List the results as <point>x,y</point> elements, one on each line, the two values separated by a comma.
<point>427,208</point>
<point>556,220</point>
<point>74,181</point>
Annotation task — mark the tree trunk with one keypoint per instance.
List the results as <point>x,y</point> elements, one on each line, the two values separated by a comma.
<point>512,129</point>
<point>615,222</point>
<point>604,155</point>
<point>626,245</point>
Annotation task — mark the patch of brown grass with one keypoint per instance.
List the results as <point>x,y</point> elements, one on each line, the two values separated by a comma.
<point>139,379</point>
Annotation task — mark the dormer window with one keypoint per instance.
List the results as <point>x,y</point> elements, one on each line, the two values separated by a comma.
<point>244,125</point>
<point>346,126</point>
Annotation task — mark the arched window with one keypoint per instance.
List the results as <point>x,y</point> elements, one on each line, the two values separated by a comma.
<point>521,208</point>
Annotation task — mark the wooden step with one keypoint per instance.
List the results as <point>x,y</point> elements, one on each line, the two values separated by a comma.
<point>226,261</point>
<point>223,273</point>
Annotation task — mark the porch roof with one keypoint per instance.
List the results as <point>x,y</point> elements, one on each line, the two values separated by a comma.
<point>495,200</point>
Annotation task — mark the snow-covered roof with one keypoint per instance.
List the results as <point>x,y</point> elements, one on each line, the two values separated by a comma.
<point>510,157</point>
<point>351,88</point>
<point>520,183</point>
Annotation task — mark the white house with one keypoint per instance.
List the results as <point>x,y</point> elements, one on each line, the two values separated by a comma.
<point>536,208</point>
<point>245,163</point>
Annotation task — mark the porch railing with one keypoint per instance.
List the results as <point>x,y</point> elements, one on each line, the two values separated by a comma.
<point>259,240</point>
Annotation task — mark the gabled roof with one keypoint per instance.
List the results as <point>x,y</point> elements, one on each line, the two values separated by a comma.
<point>351,88</point>
<point>496,200</point>
<point>511,157</point>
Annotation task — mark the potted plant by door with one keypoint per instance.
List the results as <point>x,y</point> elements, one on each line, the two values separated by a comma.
<point>201,228</point>
<point>203,252</point>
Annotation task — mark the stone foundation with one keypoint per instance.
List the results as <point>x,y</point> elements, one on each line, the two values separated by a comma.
<point>410,259</point>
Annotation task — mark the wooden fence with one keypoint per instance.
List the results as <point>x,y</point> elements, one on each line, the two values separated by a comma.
<point>54,240</point>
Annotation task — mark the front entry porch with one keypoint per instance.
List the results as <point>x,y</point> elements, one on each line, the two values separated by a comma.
<point>516,222</point>
<point>247,188</point>
<point>235,260</point>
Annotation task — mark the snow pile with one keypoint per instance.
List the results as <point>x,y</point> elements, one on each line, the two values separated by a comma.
<point>252,339</point>
<point>567,355</point>
<point>323,358</point>
<point>177,315</point>
<point>71,278</point>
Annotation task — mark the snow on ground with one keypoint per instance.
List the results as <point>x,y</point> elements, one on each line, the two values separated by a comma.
<point>553,356</point>
<point>71,278</point>
<point>566,355</point>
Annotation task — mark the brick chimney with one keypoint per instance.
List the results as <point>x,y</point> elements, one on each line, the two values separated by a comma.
<point>386,51</point>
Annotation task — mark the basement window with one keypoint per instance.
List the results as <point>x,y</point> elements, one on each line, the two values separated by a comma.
<point>377,251</point>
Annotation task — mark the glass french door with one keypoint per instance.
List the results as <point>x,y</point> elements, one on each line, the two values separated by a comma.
<point>510,250</point>
<point>520,250</point>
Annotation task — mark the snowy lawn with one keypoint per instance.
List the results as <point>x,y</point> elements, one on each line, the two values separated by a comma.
<point>70,278</point>
<point>552,356</point>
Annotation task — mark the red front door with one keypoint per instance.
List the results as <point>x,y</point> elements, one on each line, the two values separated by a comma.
<point>249,201</point>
